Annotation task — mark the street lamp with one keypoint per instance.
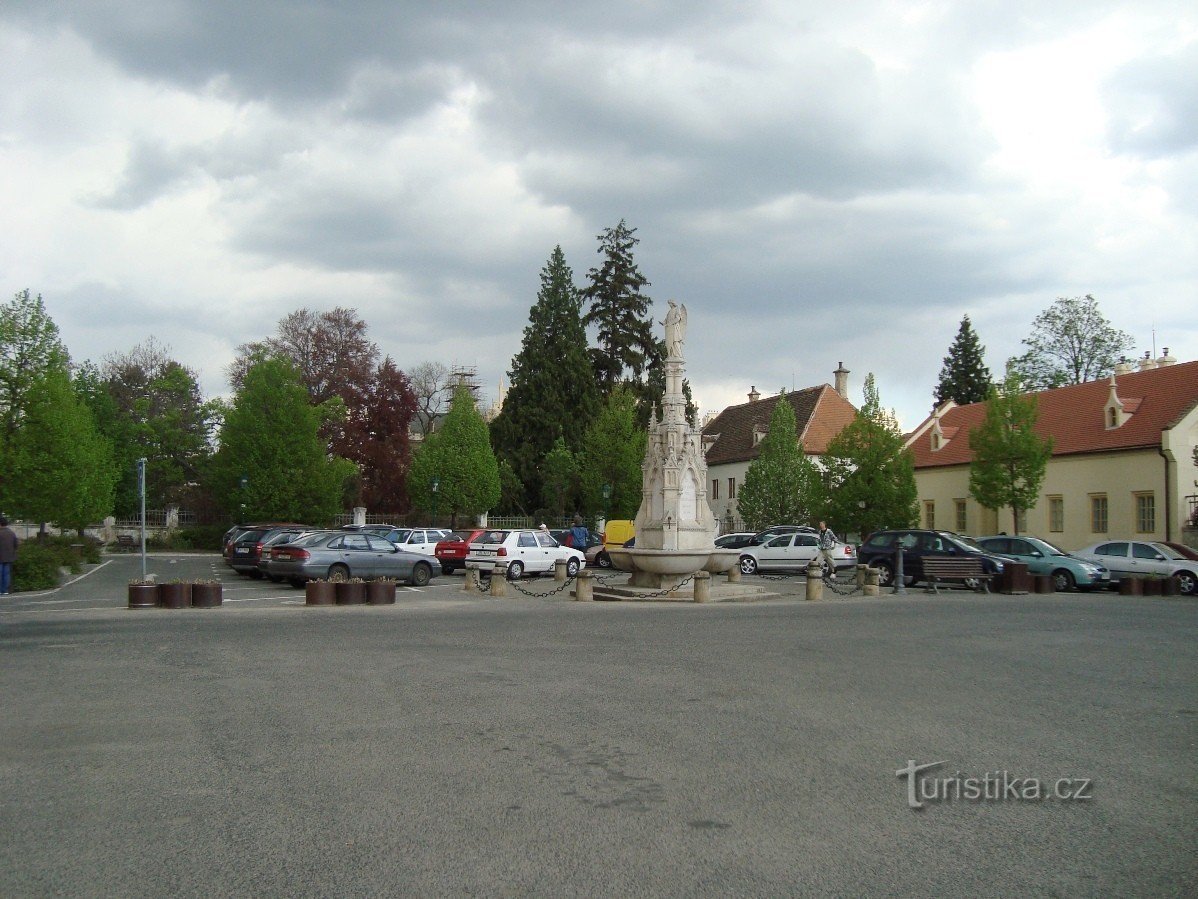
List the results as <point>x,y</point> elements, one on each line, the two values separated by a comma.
<point>435,485</point>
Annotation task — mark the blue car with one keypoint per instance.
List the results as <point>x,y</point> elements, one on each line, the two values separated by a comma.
<point>1041,557</point>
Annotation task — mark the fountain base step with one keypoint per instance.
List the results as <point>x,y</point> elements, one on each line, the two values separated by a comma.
<point>686,593</point>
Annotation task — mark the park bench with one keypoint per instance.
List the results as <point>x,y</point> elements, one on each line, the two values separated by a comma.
<point>125,543</point>
<point>938,569</point>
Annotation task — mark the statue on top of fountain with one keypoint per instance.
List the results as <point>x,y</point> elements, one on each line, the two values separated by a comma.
<point>675,330</point>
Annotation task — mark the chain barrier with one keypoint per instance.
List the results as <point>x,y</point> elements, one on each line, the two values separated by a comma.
<point>834,585</point>
<point>667,591</point>
<point>553,592</point>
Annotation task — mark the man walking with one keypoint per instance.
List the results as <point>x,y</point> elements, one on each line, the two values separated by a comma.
<point>8,555</point>
<point>827,543</point>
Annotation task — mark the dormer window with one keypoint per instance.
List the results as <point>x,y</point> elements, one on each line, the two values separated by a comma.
<point>938,437</point>
<point>1118,410</point>
<point>935,442</point>
<point>758,434</point>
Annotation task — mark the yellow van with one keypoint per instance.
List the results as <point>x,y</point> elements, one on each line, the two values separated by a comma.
<point>617,533</point>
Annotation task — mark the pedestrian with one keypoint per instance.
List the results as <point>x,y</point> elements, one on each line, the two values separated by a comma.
<point>8,555</point>
<point>827,543</point>
<point>579,534</point>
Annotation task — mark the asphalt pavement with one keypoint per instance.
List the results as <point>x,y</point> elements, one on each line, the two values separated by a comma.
<point>455,744</point>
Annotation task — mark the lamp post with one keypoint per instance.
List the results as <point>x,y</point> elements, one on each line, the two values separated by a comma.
<point>436,483</point>
<point>141,493</point>
<point>606,499</point>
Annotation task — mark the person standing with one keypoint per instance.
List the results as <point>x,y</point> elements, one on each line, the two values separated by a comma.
<point>579,534</point>
<point>8,555</point>
<point>827,543</point>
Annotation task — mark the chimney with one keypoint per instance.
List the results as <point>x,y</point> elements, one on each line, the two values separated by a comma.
<point>1166,359</point>
<point>754,396</point>
<point>842,380</point>
<point>1147,362</point>
<point>1123,366</point>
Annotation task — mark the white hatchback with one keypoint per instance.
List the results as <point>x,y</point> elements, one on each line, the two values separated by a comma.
<point>524,551</point>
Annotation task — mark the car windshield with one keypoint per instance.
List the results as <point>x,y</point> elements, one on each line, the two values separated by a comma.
<point>489,537</point>
<point>311,539</point>
<point>967,541</point>
<point>1053,549</point>
<point>400,535</point>
<point>1168,552</point>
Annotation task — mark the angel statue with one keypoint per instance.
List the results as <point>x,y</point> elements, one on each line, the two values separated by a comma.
<point>675,330</point>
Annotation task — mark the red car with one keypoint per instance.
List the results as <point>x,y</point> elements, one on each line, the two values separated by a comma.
<point>451,552</point>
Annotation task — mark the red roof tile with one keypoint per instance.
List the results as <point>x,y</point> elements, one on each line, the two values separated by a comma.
<point>1157,399</point>
<point>820,414</point>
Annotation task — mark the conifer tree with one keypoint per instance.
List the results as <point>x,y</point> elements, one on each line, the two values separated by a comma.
<point>559,490</point>
<point>619,311</point>
<point>612,452</point>
<point>964,379</point>
<point>553,389</point>
<point>869,476</point>
<point>1009,458</point>
<point>782,484</point>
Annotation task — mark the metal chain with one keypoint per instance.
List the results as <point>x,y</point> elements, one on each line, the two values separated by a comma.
<point>831,582</point>
<point>553,592</point>
<point>667,591</point>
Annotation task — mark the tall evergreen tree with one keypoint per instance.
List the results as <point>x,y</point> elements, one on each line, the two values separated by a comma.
<point>553,390</point>
<point>1071,343</point>
<point>869,476</point>
<point>559,489</point>
<point>782,483</point>
<point>619,311</point>
<point>272,463</point>
<point>612,452</point>
<point>457,457</point>
<point>964,378</point>
<point>1009,458</point>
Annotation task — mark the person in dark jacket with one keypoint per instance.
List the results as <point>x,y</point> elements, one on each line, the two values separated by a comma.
<point>580,536</point>
<point>8,555</point>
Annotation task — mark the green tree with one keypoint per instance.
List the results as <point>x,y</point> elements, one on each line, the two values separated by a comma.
<point>559,487</point>
<point>869,477</point>
<point>458,457</point>
<point>1071,343</point>
<point>964,379</point>
<point>619,311</point>
<point>612,452</point>
<point>553,390</point>
<point>782,483</point>
<point>61,467</point>
<point>272,463</point>
<point>1009,458</point>
<point>511,491</point>
<point>29,349</point>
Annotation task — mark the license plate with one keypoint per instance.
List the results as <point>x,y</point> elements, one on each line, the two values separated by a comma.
<point>243,550</point>
<point>484,552</point>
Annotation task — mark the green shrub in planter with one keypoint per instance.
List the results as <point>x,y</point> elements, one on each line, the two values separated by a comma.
<point>36,567</point>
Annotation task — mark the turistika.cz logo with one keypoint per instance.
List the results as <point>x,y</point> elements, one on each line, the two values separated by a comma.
<point>993,786</point>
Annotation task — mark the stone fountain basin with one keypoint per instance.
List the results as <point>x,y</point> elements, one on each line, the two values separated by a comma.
<point>674,561</point>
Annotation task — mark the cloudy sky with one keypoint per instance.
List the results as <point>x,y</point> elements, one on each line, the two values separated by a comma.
<point>817,182</point>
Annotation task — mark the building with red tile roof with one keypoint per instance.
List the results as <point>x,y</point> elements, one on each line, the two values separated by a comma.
<point>731,438</point>
<point>1122,460</point>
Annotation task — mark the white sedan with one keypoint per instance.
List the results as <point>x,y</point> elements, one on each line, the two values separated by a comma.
<point>791,551</point>
<point>534,552</point>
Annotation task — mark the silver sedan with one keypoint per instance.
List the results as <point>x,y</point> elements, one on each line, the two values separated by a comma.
<point>1140,558</point>
<point>339,556</point>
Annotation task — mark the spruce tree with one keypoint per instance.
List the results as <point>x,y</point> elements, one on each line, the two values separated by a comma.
<point>782,484</point>
<point>964,379</point>
<point>869,476</point>
<point>553,389</point>
<point>1009,458</point>
<point>619,311</point>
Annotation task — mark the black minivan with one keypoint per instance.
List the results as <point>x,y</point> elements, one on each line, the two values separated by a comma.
<point>878,552</point>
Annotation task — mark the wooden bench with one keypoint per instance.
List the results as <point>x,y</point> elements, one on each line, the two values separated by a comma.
<point>937,569</point>
<point>125,543</point>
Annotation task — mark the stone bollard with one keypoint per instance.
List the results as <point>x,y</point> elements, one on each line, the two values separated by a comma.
<point>499,580</point>
<point>815,580</point>
<point>559,571</point>
<point>470,584</point>
<point>860,573</point>
<point>584,586</point>
<point>871,587</point>
<point>734,574</point>
<point>703,586</point>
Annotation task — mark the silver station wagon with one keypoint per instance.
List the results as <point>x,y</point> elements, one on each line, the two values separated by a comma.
<point>339,556</point>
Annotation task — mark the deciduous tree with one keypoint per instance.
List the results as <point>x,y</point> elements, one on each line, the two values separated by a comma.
<point>381,432</point>
<point>1071,342</point>
<point>30,348</point>
<point>964,378</point>
<point>782,483</point>
<point>613,450</point>
<point>559,488</point>
<point>1009,457</point>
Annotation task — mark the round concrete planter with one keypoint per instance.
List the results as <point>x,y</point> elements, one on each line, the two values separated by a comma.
<point>206,596</point>
<point>143,596</point>
<point>320,593</point>
<point>174,596</point>
<point>1170,586</point>
<point>380,593</point>
<point>1044,583</point>
<point>351,594</point>
<point>1151,586</point>
<point>1130,586</point>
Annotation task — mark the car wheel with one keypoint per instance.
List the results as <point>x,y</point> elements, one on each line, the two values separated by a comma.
<point>515,570</point>
<point>748,565</point>
<point>421,575</point>
<point>885,574</point>
<point>1187,583</point>
<point>338,573</point>
<point>1062,581</point>
<point>603,560</point>
<point>572,568</point>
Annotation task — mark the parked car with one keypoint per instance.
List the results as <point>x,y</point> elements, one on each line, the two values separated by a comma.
<point>451,550</point>
<point>237,530</point>
<point>594,551</point>
<point>734,541</point>
<point>792,551</point>
<point>878,552</point>
<point>1141,558</point>
<point>524,550</point>
<point>761,537</point>
<point>245,551</point>
<point>416,540</point>
<point>1042,557</point>
<point>339,556</point>
<point>617,533</point>
<point>1188,551</point>
<point>271,539</point>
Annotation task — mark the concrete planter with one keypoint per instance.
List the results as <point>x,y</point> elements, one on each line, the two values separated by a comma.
<point>1044,583</point>
<point>1170,586</point>
<point>380,593</point>
<point>1151,586</point>
<point>351,594</point>
<point>1130,586</point>
<point>1015,578</point>
<point>143,596</point>
<point>206,596</point>
<point>320,593</point>
<point>174,596</point>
